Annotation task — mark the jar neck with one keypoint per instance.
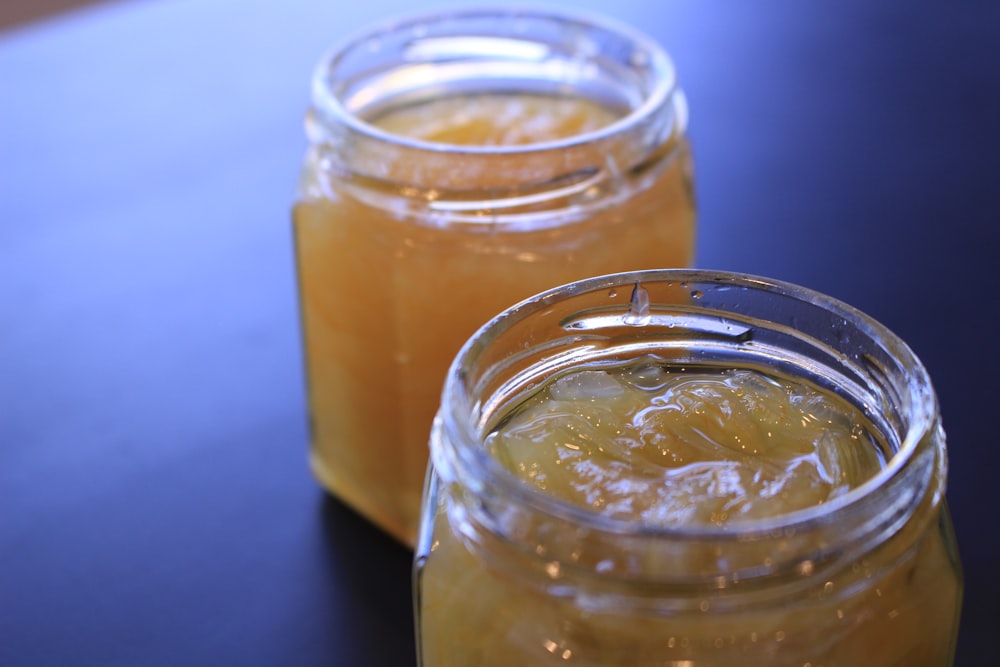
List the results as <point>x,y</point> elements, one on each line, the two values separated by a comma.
<point>499,52</point>
<point>521,530</point>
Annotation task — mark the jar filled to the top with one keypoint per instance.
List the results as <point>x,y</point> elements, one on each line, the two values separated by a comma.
<point>686,468</point>
<point>457,163</point>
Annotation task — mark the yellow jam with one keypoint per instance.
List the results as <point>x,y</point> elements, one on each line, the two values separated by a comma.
<point>676,447</point>
<point>392,284</point>
<point>497,120</point>
<point>672,447</point>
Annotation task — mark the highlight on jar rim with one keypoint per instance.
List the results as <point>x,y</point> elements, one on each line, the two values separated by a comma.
<point>583,431</point>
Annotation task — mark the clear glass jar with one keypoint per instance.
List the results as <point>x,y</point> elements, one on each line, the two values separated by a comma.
<point>508,574</point>
<point>460,162</point>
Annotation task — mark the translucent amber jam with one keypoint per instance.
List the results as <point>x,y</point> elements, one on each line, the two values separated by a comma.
<point>497,119</point>
<point>665,447</point>
<point>688,469</point>
<point>876,613</point>
<point>680,446</point>
<point>395,276</point>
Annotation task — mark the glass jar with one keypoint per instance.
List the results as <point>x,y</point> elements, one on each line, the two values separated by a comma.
<point>507,573</point>
<point>458,163</point>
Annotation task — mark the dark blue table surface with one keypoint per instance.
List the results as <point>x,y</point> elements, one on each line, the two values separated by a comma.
<point>155,505</point>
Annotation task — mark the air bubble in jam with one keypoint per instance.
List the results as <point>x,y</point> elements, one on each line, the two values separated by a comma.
<point>638,308</point>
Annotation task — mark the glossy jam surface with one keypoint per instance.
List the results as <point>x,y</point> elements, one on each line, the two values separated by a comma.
<point>677,447</point>
<point>691,447</point>
<point>392,283</point>
<point>497,120</point>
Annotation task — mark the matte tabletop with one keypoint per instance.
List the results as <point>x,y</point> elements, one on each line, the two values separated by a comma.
<point>155,503</point>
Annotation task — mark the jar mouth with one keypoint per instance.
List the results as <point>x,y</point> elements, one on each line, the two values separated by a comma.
<point>906,383</point>
<point>468,51</point>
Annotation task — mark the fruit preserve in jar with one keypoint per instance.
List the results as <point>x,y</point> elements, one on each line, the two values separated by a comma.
<point>686,468</point>
<point>457,164</point>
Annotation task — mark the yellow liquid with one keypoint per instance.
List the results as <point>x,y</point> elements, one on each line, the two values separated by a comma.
<point>688,448</point>
<point>390,292</point>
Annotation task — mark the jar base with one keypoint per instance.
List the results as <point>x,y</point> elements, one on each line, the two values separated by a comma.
<point>391,521</point>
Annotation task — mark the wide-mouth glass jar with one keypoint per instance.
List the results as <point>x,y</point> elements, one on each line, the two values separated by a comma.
<point>550,537</point>
<point>457,163</point>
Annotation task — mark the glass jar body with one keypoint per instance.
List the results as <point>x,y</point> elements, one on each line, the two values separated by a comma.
<point>404,246</point>
<point>504,575</point>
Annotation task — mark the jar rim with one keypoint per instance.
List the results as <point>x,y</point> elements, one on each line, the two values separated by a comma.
<point>921,417</point>
<point>664,90</point>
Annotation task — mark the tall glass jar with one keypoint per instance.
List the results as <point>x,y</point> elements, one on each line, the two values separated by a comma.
<point>459,162</point>
<point>510,573</point>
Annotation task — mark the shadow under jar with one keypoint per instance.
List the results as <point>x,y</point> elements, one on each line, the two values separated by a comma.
<point>457,164</point>
<point>686,468</point>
